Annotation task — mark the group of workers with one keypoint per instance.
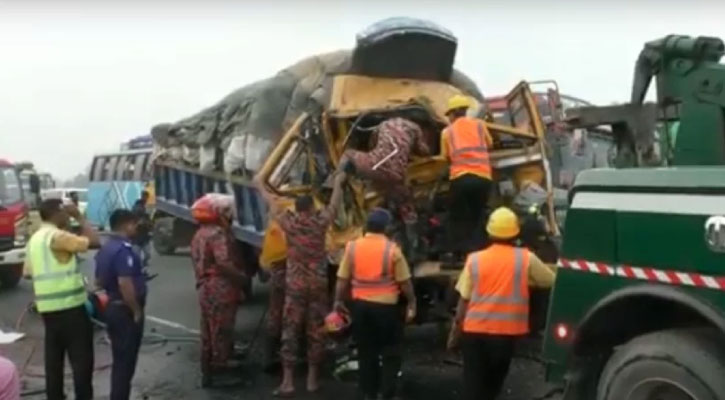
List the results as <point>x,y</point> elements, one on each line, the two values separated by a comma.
<point>493,285</point>
<point>62,297</point>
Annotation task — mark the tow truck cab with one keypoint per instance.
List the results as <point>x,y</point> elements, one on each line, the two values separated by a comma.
<point>638,307</point>
<point>13,225</point>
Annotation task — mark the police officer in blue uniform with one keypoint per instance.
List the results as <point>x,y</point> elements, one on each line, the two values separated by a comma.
<point>119,271</point>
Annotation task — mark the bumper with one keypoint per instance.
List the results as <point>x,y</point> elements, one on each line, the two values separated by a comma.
<point>12,257</point>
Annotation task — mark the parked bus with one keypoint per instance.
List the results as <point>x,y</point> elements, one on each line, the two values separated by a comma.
<point>116,181</point>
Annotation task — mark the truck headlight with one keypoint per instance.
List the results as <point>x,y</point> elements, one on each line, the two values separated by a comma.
<point>21,233</point>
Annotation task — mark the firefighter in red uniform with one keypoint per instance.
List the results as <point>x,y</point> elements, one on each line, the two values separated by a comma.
<point>386,165</point>
<point>306,289</point>
<point>493,311</point>
<point>220,278</point>
<point>377,271</point>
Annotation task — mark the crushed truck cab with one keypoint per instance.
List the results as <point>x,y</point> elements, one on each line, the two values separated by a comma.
<point>310,151</point>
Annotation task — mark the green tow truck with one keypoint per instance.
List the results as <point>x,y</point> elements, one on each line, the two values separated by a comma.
<point>638,308</point>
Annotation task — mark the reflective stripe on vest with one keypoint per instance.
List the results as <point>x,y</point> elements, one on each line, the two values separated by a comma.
<point>57,286</point>
<point>468,149</point>
<point>371,265</point>
<point>499,304</point>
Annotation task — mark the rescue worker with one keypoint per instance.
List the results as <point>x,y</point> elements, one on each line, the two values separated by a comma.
<point>465,143</point>
<point>306,283</point>
<point>119,271</point>
<point>220,278</point>
<point>386,166</point>
<point>376,271</point>
<point>493,310</point>
<point>273,258</point>
<point>275,312</point>
<point>60,295</point>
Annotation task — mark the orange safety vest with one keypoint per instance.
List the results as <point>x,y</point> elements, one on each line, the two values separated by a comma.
<point>372,267</point>
<point>468,149</point>
<point>499,303</point>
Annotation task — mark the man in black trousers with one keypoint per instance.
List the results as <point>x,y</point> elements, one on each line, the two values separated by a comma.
<point>375,269</point>
<point>60,295</point>
<point>119,271</point>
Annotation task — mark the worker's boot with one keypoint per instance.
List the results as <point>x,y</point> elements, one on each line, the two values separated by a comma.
<point>272,362</point>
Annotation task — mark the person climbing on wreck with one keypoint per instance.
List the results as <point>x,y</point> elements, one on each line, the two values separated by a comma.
<point>386,165</point>
<point>220,278</point>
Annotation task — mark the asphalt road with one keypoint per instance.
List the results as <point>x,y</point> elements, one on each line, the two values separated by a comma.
<point>168,364</point>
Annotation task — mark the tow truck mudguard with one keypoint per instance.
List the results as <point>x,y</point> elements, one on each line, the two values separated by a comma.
<point>584,367</point>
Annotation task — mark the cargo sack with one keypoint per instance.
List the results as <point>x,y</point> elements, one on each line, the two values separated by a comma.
<point>191,155</point>
<point>207,158</point>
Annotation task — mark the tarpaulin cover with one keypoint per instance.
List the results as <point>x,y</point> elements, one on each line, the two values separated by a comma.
<point>405,48</point>
<point>245,125</point>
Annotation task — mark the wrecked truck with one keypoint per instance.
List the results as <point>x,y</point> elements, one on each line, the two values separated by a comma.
<point>347,94</point>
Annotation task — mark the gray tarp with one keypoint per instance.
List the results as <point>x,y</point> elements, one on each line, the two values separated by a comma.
<point>258,114</point>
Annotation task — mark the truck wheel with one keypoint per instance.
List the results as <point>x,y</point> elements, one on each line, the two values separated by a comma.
<point>666,365</point>
<point>163,238</point>
<point>10,275</point>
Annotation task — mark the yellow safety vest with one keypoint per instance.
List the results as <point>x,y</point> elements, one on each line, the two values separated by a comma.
<point>58,286</point>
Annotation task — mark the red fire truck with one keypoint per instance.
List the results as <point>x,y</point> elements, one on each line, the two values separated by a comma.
<point>14,225</point>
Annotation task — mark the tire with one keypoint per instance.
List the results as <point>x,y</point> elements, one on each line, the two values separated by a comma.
<point>666,365</point>
<point>163,237</point>
<point>10,275</point>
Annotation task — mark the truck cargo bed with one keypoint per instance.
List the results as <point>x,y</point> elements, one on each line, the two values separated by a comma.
<point>178,186</point>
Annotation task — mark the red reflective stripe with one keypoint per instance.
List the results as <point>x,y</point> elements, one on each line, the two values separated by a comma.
<point>673,277</point>
<point>624,271</point>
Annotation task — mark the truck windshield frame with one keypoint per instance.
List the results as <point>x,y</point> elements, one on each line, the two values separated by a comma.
<point>11,191</point>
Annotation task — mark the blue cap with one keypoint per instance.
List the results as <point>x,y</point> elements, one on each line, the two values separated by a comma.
<point>379,217</point>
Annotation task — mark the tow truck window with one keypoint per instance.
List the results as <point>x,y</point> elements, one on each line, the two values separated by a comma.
<point>10,189</point>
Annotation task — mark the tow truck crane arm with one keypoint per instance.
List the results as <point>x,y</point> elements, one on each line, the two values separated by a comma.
<point>690,89</point>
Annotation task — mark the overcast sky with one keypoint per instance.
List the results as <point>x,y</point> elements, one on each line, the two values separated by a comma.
<point>77,78</point>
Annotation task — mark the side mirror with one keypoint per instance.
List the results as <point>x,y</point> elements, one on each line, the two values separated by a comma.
<point>34,184</point>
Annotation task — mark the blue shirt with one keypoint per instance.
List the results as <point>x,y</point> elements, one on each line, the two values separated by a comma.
<point>116,258</point>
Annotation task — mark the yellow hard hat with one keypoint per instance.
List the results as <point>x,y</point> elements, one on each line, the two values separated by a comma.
<point>458,101</point>
<point>503,224</point>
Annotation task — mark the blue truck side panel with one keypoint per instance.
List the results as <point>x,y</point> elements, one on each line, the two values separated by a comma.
<point>177,188</point>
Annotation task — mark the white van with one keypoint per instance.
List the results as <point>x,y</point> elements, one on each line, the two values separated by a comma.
<point>64,194</point>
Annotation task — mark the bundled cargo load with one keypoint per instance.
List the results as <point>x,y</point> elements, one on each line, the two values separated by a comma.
<point>237,134</point>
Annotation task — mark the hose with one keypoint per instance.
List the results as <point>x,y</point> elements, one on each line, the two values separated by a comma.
<point>151,338</point>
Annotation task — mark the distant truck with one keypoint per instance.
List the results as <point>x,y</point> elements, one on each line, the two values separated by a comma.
<point>30,176</point>
<point>14,224</point>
